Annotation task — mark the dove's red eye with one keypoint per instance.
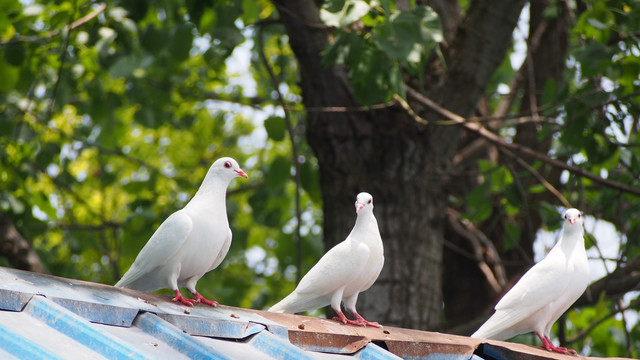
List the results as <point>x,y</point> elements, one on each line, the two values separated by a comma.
<point>369,202</point>
<point>227,164</point>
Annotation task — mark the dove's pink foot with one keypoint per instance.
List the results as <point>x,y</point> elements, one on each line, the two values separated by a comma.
<point>548,345</point>
<point>199,298</point>
<point>343,319</point>
<point>362,322</point>
<point>181,299</point>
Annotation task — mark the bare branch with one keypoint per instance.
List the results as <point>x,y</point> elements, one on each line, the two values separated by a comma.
<point>538,177</point>
<point>17,249</point>
<point>496,277</point>
<point>484,132</point>
<point>582,333</point>
<point>83,20</point>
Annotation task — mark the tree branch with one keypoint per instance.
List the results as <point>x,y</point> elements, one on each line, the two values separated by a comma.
<point>16,249</point>
<point>623,279</point>
<point>496,277</point>
<point>538,177</point>
<point>484,132</point>
<point>83,20</point>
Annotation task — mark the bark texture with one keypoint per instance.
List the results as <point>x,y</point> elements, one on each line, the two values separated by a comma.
<point>16,249</point>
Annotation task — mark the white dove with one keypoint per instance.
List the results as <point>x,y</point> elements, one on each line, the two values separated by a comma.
<point>345,271</point>
<point>544,292</point>
<point>190,242</point>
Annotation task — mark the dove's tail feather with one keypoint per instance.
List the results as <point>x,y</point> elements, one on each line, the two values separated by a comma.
<point>137,281</point>
<point>498,327</point>
<point>294,303</point>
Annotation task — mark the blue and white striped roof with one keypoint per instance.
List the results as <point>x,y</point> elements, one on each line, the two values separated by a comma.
<point>47,317</point>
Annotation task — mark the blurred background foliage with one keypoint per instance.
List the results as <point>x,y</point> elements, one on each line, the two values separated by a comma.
<point>110,119</point>
<point>111,113</point>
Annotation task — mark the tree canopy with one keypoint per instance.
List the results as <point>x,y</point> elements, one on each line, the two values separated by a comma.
<point>476,122</point>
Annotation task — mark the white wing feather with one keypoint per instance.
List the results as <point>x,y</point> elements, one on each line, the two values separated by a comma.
<point>538,287</point>
<point>337,268</point>
<point>161,247</point>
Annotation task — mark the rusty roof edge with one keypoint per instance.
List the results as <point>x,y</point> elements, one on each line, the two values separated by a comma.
<point>406,343</point>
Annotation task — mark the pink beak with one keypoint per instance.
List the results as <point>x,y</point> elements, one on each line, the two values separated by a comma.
<point>242,173</point>
<point>572,220</point>
<point>359,207</point>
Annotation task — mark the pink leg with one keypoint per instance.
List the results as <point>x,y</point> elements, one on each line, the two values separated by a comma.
<point>200,298</point>
<point>181,299</point>
<point>548,345</point>
<point>343,319</point>
<point>361,321</point>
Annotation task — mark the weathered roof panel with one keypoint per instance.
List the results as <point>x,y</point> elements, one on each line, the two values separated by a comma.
<point>49,317</point>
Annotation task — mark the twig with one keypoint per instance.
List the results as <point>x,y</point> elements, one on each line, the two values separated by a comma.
<point>525,203</point>
<point>496,278</point>
<point>63,55</point>
<point>582,333</point>
<point>347,109</point>
<point>63,59</point>
<point>547,185</point>
<point>482,131</point>
<point>83,20</point>
<point>294,151</point>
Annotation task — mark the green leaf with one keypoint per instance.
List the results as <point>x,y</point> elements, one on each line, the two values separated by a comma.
<point>181,42</point>
<point>153,39</point>
<point>511,236</point>
<point>9,75</point>
<point>478,204</point>
<point>276,127</point>
<point>229,36</point>
<point>310,182</point>
<point>351,11</point>
<point>279,172</point>
<point>15,53</point>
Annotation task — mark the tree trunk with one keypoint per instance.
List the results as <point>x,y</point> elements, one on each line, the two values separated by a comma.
<point>16,249</point>
<point>401,163</point>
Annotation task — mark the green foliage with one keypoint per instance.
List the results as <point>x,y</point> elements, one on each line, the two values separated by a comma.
<point>400,40</point>
<point>109,127</point>
<point>594,127</point>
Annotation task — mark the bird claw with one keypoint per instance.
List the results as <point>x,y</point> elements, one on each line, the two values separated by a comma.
<point>370,323</point>
<point>181,299</point>
<point>362,321</point>
<point>341,320</point>
<point>560,350</point>
<point>548,345</point>
<point>199,298</point>
<point>358,322</point>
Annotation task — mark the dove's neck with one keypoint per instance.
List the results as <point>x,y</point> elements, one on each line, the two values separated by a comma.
<point>366,224</point>
<point>212,193</point>
<point>572,238</point>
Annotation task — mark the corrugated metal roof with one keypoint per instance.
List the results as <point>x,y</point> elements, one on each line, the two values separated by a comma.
<point>47,317</point>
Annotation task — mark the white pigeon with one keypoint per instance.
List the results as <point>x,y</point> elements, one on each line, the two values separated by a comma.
<point>345,271</point>
<point>544,292</point>
<point>190,242</point>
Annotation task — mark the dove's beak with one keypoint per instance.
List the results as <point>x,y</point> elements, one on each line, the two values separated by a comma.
<point>359,207</point>
<point>242,173</point>
<point>572,220</point>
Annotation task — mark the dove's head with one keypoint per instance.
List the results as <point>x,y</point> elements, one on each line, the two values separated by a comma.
<point>364,201</point>
<point>227,168</point>
<point>573,217</point>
